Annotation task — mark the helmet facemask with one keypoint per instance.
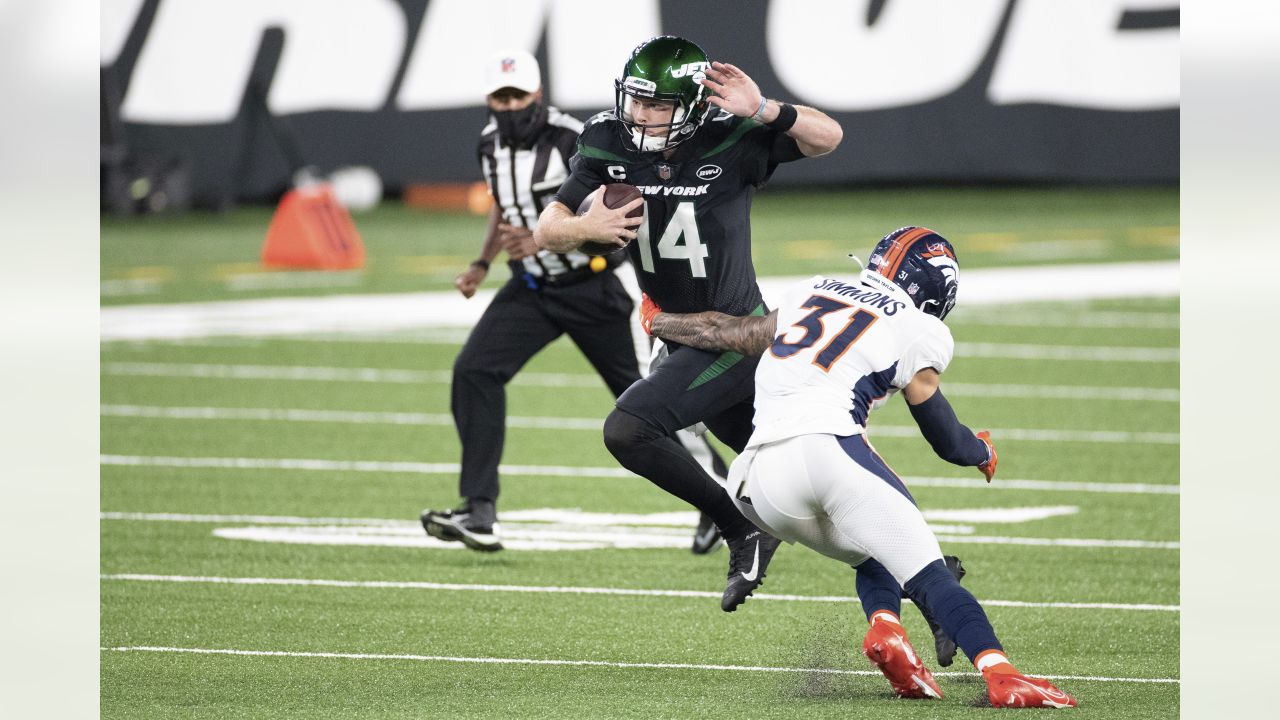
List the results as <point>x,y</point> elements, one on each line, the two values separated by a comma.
<point>666,69</point>
<point>685,117</point>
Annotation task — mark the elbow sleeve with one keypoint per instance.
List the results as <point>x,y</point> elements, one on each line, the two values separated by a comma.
<point>950,439</point>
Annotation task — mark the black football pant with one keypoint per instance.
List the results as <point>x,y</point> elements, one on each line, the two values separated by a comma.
<point>690,386</point>
<point>517,324</point>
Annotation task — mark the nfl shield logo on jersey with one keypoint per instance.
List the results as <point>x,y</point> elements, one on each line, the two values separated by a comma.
<point>664,171</point>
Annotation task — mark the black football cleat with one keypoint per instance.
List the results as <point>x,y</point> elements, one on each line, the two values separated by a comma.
<point>707,537</point>
<point>942,643</point>
<point>477,529</point>
<point>748,558</point>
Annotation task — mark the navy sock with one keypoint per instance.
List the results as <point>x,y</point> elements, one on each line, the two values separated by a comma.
<point>877,589</point>
<point>955,609</point>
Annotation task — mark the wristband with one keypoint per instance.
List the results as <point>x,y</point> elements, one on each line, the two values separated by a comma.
<point>759,116</point>
<point>482,264</point>
<point>786,117</point>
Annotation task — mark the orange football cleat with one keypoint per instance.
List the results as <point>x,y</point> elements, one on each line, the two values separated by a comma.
<point>1015,690</point>
<point>887,648</point>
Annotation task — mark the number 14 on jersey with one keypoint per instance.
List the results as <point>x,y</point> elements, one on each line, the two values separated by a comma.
<point>683,226</point>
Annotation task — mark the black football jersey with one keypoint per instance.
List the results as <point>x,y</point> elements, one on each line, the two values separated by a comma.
<point>693,252</point>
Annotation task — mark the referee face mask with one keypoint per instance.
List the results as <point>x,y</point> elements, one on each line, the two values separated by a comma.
<point>520,115</point>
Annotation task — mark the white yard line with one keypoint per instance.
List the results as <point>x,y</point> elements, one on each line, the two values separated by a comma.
<point>1056,316</point>
<point>1066,317</point>
<point>1061,392</point>
<point>1086,436</point>
<point>1016,351</point>
<point>560,590</point>
<point>258,519</point>
<point>401,311</point>
<point>1045,485</point>
<point>308,372</point>
<point>423,468</point>
<point>352,417</point>
<point>316,373</point>
<point>1061,542</point>
<point>576,663</point>
<point>534,529</point>
<point>355,417</point>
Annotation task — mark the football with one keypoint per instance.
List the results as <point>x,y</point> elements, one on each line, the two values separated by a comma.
<point>615,196</point>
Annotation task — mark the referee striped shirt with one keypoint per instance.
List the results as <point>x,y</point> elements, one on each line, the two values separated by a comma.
<point>522,180</point>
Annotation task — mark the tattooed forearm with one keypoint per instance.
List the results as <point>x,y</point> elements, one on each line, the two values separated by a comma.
<point>717,332</point>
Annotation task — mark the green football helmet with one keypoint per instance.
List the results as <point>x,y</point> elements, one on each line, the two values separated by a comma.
<point>663,68</point>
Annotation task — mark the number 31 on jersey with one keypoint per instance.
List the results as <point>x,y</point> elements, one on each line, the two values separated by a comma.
<point>683,226</point>
<point>814,329</point>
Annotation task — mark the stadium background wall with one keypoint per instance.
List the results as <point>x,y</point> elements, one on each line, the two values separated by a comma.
<point>988,90</point>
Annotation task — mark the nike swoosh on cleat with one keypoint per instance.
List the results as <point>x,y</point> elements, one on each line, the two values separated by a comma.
<point>1050,697</point>
<point>706,537</point>
<point>924,687</point>
<point>755,566</point>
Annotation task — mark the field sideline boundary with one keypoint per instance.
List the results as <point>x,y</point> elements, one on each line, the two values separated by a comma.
<point>355,417</point>
<point>580,663</point>
<point>447,308</point>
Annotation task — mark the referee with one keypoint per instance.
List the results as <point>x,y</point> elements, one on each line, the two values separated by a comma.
<point>524,155</point>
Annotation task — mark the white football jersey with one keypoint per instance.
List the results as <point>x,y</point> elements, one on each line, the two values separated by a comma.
<point>840,351</point>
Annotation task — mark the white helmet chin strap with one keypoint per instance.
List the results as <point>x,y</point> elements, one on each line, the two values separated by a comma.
<point>653,143</point>
<point>648,143</point>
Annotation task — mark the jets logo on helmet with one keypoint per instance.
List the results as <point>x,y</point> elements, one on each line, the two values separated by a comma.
<point>669,69</point>
<point>922,263</point>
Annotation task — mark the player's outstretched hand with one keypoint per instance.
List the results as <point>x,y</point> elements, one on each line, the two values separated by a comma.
<point>735,91</point>
<point>468,280</point>
<point>988,468</point>
<point>648,311</point>
<point>611,225</point>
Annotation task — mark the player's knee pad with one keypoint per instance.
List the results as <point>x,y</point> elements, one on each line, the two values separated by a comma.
<point>625,433</point>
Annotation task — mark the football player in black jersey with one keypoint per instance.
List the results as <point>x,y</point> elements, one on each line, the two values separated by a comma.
<point>524,152</point>
<point>697,138</point>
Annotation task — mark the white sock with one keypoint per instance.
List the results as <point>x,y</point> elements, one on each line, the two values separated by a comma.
<point>990,658</point>
<point>886,616</point>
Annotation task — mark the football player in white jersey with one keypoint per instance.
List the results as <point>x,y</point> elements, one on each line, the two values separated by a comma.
<point>831,353</point>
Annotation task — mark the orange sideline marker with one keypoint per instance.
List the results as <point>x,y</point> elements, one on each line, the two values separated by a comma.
<point>311,230</point>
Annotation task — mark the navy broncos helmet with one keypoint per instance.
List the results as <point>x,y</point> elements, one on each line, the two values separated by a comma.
<point>921,262</point>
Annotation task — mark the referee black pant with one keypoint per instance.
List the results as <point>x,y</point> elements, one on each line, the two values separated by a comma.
<point>595,313</point>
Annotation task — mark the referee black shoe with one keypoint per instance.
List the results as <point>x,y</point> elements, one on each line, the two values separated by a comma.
<point>707,537</point>
<point>749,555</point>
<point>474,524</point>
<point>942,643</point>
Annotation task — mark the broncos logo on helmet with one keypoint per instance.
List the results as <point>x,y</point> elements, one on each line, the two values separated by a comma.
<point>922,263</point>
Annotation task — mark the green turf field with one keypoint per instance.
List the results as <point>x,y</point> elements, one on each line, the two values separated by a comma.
<point>261,555</point>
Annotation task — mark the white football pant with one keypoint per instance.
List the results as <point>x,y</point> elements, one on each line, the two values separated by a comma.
<point>807,489</point>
